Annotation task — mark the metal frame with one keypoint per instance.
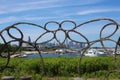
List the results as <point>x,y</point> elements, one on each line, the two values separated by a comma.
<point>54,37</point>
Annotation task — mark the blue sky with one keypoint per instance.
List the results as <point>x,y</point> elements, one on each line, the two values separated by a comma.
<point>42,11</point>
<point>45,10</point>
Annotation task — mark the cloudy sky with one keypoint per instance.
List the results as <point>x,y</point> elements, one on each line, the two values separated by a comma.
<point>37,10</point>
<point>42,11</point>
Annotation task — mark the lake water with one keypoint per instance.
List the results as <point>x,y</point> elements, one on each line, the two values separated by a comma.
<point>52,55</point>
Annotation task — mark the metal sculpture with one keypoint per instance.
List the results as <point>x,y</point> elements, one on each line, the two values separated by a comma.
<point>66,33</point>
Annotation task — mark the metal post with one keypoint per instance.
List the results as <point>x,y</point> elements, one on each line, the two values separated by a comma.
<point>118,43</point>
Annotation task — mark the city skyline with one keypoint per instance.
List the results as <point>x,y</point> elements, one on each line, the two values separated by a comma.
<point>42,11</point>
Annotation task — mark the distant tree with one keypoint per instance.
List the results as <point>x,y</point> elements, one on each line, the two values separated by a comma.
<point>10,48</point>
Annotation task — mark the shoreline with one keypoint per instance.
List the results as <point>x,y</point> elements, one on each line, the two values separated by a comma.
<point>30,52</point>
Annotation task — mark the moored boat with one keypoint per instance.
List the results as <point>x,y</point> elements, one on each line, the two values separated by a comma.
<point>95,53</point>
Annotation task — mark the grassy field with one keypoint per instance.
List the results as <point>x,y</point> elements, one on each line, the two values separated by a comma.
<point>61,68</point>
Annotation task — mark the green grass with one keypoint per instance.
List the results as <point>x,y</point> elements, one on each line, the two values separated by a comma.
<point>63,68</point>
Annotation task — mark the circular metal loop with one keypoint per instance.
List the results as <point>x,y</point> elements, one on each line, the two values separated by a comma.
<point>105,26</point>
<point>53,22</point>
<point>68,22</point>
<point>12,36</point>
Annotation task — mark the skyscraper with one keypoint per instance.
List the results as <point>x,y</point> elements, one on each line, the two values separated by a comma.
<point>29,39</point>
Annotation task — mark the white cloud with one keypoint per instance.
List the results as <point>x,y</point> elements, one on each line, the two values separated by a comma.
<point>92,11</point>
<point>8,19</point>
<point>23,18</point>
<point>87,2</point>
<point>10,7</point>
<point>25,6</point>
<point>38,2</point>
<point>37,18</point>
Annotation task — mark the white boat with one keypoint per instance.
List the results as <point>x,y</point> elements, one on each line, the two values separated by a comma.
<point>95,53</point>
<point>117,53</point>
<point>22,55</point>
<point>60,51</point>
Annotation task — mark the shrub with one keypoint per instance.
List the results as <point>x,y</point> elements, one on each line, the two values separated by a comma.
<point>95,66</point>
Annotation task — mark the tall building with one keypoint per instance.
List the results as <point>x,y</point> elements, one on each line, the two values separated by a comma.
<point>29,39</point>
<point>26,44</point>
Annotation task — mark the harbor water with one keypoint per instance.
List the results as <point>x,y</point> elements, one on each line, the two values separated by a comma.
<point>69,55</point>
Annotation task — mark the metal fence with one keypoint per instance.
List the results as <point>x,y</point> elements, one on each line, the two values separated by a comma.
<point>67,36</point>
